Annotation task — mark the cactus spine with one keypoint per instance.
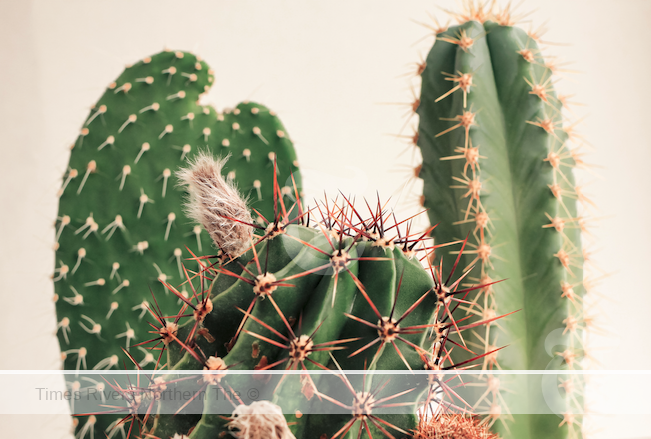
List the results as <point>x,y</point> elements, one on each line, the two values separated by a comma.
<point>121,227</point>
<point>498,167</point>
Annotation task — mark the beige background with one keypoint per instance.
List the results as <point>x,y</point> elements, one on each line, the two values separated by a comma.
<point>327,67</point>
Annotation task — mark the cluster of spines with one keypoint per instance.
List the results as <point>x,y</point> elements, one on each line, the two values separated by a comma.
<point>453,427</point>
<point>561,158</point>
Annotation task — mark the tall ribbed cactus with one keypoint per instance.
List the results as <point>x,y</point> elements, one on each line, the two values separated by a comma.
<point>121,227</point>
<point>498,167</point>
<point>346,293</point>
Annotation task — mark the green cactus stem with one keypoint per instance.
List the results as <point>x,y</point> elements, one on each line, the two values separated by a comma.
<point>498,167</point>
<point>339,292</point>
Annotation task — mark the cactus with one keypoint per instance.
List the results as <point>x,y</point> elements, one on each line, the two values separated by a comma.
<point>338,292</point>
<point>121,227</point>
<point>498,167</point>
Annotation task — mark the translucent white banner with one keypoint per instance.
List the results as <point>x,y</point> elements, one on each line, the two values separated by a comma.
<point>326,392</point>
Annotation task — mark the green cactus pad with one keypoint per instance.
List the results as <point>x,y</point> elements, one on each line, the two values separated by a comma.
<point>121,226</point>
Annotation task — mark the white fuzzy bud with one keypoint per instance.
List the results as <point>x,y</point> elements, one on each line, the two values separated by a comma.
<point>260,420</point>
<point>216,203</point>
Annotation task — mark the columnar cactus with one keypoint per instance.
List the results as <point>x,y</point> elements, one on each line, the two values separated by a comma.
<point>498,167</point>
<point>121,226</point>
<point>340,292</point>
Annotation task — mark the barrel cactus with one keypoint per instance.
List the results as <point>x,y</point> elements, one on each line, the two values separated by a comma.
<point>497,166</point>
<point>121,226</point>
<point>322,290</point>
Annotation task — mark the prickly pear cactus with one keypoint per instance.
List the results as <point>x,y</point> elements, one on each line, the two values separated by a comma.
<point>341,292</point>
<point>121,228</point>
<point>498,167</point>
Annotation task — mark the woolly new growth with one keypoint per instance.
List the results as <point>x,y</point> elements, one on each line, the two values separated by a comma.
<point>121,226</point>
<point>486,84</point>
<point>216,204</point>
<point>259,420</point>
